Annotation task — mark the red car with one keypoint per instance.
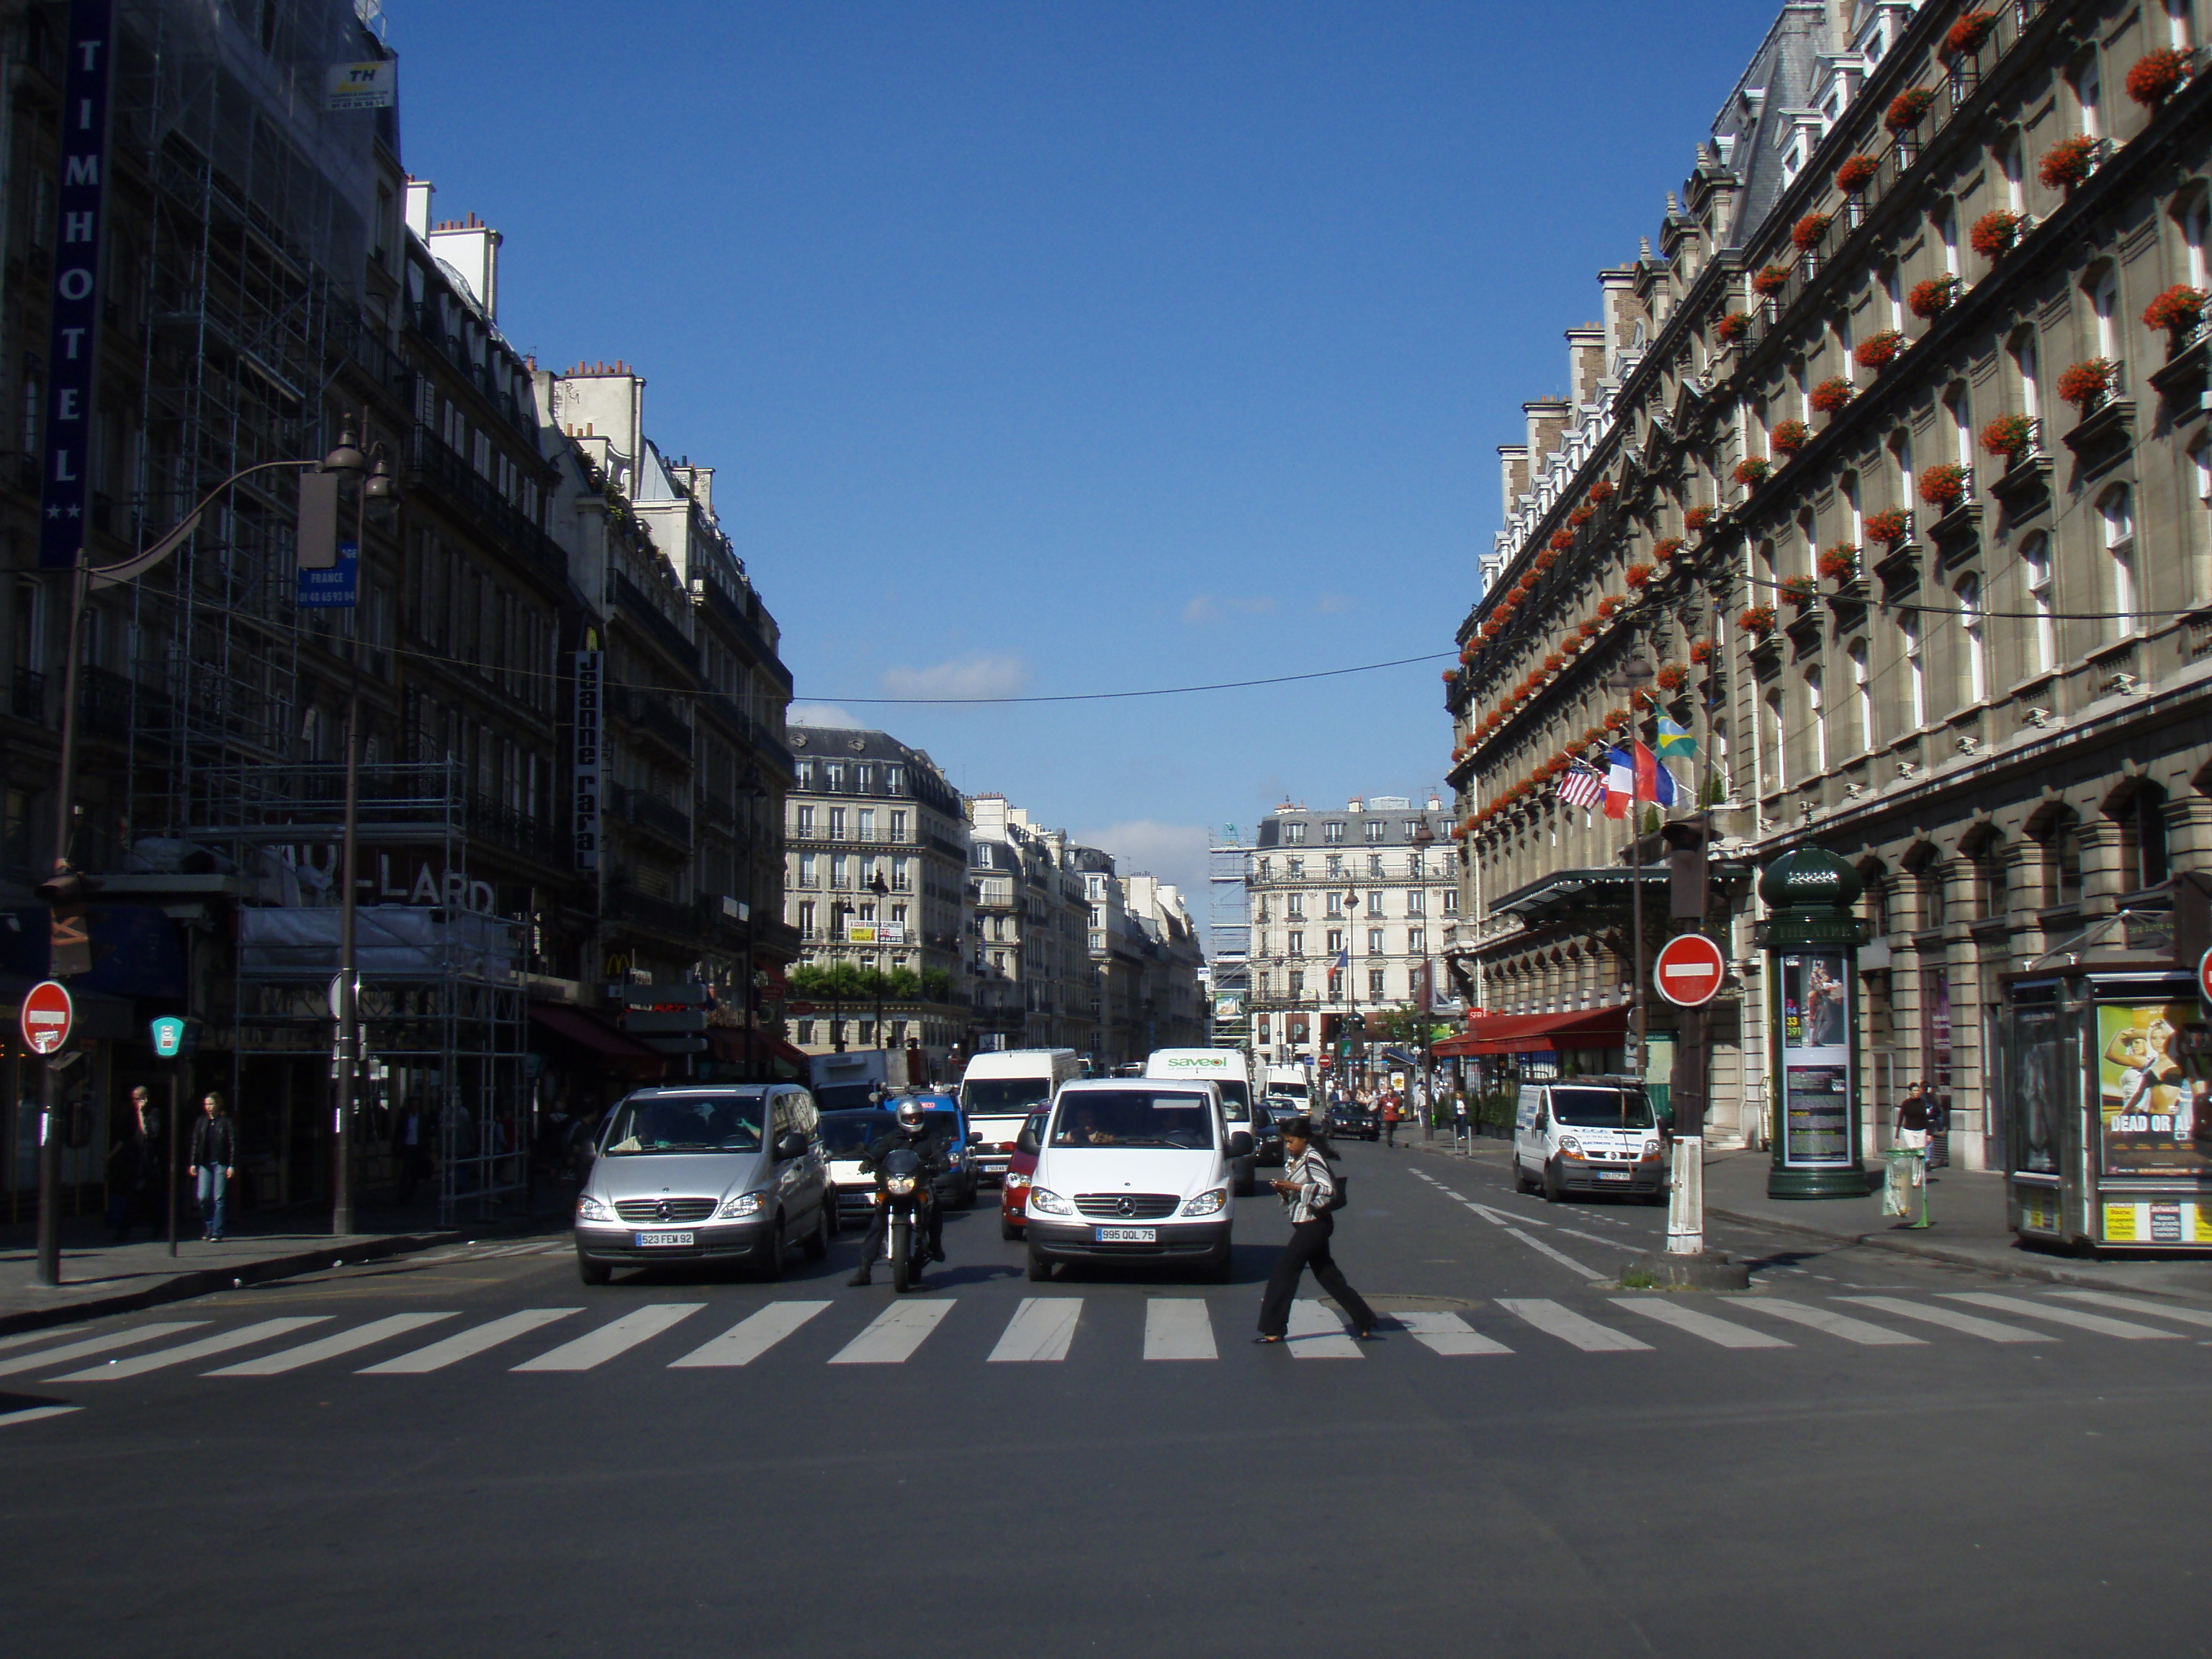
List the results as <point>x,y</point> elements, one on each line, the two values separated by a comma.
<point>1014,1189</point>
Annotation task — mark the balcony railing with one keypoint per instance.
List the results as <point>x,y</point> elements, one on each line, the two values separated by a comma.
<point>651,814</point>
<point>431,463</point>
<point>651,713</point>
<point>28,701</point>
<point>669,917</point>
<point>521,832</point>
<point>635,605</point>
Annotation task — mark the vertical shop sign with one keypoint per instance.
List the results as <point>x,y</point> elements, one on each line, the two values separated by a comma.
<point>72,362</point>
<point>585,781</point>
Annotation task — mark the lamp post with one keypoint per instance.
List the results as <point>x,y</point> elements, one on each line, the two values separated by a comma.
<point>881,889</point>
<point>1631,677</point>
<point>1351,996</point>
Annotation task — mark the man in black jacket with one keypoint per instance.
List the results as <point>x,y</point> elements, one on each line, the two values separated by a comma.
<point>215,1163</point>
<point>911,1129</point>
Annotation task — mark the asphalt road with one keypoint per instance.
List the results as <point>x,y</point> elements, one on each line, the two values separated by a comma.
<point>1533,1462</point>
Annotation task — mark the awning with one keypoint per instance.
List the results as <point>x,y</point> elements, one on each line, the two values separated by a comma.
<point>595,1036</point>
<point>1537,1034</point>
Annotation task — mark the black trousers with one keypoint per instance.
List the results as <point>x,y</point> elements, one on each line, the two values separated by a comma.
<point>1308,1248</point>
<point>931,1217</point>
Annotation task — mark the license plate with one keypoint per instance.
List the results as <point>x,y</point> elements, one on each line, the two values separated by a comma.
<point>662,1241</point>
<point>1128,1236</point>
<point>1612,1174</point>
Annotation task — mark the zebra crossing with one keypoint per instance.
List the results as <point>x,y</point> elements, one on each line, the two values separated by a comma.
<point>1052,1329</point>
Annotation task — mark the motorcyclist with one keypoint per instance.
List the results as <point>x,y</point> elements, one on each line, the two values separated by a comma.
<point>911,1129</point>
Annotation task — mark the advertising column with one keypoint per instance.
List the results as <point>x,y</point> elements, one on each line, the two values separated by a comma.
<point>1811,939</point>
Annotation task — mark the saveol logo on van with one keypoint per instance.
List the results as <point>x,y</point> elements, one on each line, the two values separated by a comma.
<point>1192,1065</point>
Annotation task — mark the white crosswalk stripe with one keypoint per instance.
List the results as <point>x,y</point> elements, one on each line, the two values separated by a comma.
<point>32,1413</point>
<point>595,1348</point>
<point>1040,1331</point>
<point>1316,1332</point>
<point>1835,1324</point>
<point>329,1348</point>
<point>2140,1304</point>
<point>105,1342</point>
<point>464,1345</point>
<point>223,1342</point>
<point>1720,1331</point>
<point>1555,1320</point>
<point>1448,1334</point>
<point>2127,1330</point>
<point>894,1334</point>
<point>1951,1319</point>
<point>1178,1327</point>
<point>752,1336</point>
<point>22,1339</point>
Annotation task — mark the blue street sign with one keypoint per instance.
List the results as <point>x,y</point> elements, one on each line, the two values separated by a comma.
<point>336,588</point>
<point>168,1036</point>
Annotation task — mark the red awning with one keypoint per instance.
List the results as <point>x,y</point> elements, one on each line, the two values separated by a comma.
<point>590,1032</point>
<point>1537,1034</point>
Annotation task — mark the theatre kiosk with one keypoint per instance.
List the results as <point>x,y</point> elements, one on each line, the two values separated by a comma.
<point>1811,937</point>
<point>2105,1071</point>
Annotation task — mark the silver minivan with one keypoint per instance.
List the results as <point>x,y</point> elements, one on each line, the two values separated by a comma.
<point>701,1172</point>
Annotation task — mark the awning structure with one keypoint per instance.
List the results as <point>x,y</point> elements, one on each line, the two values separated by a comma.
<point>1538,1034</point>
<point>735,1046</point>
<point>586,1030</point>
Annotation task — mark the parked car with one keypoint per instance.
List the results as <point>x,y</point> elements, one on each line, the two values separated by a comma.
<point>732,1173</point>
<point>1014,1184</point>
<point>1352,1120</point>
<point>847,1135</point>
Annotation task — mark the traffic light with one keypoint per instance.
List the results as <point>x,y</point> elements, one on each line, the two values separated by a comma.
<point>69,942</point>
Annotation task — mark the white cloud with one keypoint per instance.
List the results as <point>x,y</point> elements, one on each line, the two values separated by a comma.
<point>980,674</point>
<point>1201,610</point>
<point>825,714</point>
<point>1260,604</point>
<point>1331,605</point>
<point>1174,851</point>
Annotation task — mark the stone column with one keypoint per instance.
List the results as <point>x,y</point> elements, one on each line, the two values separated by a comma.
<point>2100,865</point>
<point>2189,832</point>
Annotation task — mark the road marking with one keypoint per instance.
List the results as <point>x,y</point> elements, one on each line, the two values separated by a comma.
<point>1178,1327</point>
<point>2139,1304</point>
<point>1569,1325</point>
<point>2126,1329</point>
<point>1951,1319</point>
<point>1700,1324</point>
<point>1448,1334</point>
<point>1835,1324</point>
<point>615,1337</point>
<point>464,1345</point>
<point>100,1344</point>
<point>1041,1329</point>
<point>1560,1256</point>
<point>32,1413</point>
<point>329,1348</point>
<point>752,1336</point>
<point>139,1365</point>
<point>1317,1333</point>
<point>45,1335</point>
<point>894,1334</point>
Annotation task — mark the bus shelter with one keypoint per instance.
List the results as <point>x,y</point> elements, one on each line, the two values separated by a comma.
<point>2104,1063</point>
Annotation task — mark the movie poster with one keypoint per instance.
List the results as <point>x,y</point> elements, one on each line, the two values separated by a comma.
<point>2155,1090</point>
<point>1816,1060</point>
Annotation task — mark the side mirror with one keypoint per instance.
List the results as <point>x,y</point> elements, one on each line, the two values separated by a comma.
<point>1240,1145</point>
<point>792,1145</point>
<point>1026,1142</point>
<point>975,1137</point>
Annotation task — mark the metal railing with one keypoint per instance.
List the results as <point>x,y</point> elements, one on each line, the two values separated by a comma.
<point>28,698</point>
<point>624,903</point>
<point>637,606</point>
<point>651,814</point>
<point>430,461</point>
<point>648,713</point>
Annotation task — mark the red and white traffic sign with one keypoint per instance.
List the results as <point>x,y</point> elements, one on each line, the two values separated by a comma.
<point>47,1016</point>
<point>2204,976</point>
<point>1689,970</point>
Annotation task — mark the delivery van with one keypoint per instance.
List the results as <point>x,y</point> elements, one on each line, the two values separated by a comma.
<point>1001,1088</point>
<point>1225,1068</point>
<point>1588,1134</point>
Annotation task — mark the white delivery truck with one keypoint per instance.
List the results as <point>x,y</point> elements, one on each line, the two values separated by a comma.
<point>1000,1089</point>
<point>861,1077</point>
<point>1290,1085</point>
<point>1225,1068</point>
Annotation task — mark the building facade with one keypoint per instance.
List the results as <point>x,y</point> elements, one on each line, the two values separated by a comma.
<point>1890,467</point>
<point>1029,934</point>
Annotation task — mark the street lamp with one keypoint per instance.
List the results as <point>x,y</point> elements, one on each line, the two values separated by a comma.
<point>1631,677</point>
<point>1351,996</point>
<point>881,889</point>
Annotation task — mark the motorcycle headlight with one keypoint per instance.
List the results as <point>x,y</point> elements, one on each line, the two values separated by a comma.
<point>1207,1203</point>
<point>745,1204</point>
<point>589,1209</point>
<point>1049,1202</point>
<point>899,1186</point>
<point>1570,1146</point>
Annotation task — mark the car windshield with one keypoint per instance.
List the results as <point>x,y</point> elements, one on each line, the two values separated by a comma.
<point>1602,1108</point>
<point>1287,1090</point>
<point>721,1123</point>
<point>1005,1096</point>
<point>1133,1117</point>
<point>848,1134</point>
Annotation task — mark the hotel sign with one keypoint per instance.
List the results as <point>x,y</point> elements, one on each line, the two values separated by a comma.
<point>589,704</point>
<point>72,364</point>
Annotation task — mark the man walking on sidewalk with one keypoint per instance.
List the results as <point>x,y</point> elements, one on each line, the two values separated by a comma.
<point>1391,1116</point>
<point>1309,1188</point>
<point>215,1164</point>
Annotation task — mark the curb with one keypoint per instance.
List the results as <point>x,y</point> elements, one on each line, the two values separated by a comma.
<point>182,1286</point>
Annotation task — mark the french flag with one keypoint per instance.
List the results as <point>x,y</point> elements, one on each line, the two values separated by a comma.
<point>1634,774</point>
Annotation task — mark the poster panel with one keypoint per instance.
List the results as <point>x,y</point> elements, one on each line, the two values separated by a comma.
<point>1816,1060</point>
<point>2154,1089</point>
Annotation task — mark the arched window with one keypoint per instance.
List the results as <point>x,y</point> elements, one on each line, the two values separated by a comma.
<point>1947,233</point>
<point>2142,820</point>
<point>2116,511</point>
<point>2026,371</point>
<point>1773,705</point>
<point>1959,413</point>
<point>1851,488</point>
<point>2104,289</point>
<point>1991,899</point>
<point>2193,219</point>
<point>1816,721</point>
<point>1915,676</point>
<point>2010,163</point>
<point>1974,678</point>
<point>1861,696</point>
<point>2042,634</point>
<point>1893,288</point>
<point>2088,82</point>
<point>1723,779</point>
<point>2176,24</point>
<point>1900,452</point>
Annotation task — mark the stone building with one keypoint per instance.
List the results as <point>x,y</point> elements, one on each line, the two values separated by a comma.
<point>1029,934</point>
<point>1891,462</point>
<point>1378,880</point>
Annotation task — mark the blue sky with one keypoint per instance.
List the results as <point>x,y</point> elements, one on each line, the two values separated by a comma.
<point>1052,348</point>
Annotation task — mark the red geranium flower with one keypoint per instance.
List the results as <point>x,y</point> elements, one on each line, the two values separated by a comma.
<point>1667,547</point>
<point>1637,574</point>
<point>1800,591</point>
<point>1572,644</point>
<point>1770,281</point>
<point>1546,559</point>
<point>1968,32</point>
<point>2156,75</point>
<point>1840,562</point>
<point>1789,437</point>
<point>2180,307</point>
<point>1878,350</point>
<point>1944,484</point>
<point>1756,619</point>
<point>1933,297</point>
<point>1857,173</point>
<point>1805,235</point>
<point>1732,327</point>
<point>1907,107</point>
<point>1889,528</point>
<point>2068,162</point>
<point>2009,435</point>
<point>1673,678</point>
<point>1588,630</point>
<point>1600,491</point>
<point>1751,471</point>
<point>1697,518</point>
<point>1562,540</point>
<point>1830,395</point>
<point>2086,382</point>
<point>1607,606</point>
<point>1994,233</point>
<point>1702,653</point>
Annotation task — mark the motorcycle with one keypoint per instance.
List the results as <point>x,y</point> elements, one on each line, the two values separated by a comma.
<point>903,1183</point>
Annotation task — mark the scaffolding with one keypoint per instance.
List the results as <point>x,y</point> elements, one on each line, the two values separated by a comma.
<point>1229,936</point>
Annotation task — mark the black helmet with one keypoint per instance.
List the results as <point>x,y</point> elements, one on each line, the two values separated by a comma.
<point>909,1114</point>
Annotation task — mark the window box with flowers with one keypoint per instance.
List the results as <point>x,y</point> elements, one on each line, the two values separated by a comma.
<point>1805,235</point>
<point>1892,528</point>
<point>1944,485</point>
<point>1932,298</point>
<point>2012,437</point>
<point>1695,519</point>
<point>1967,34</point>
<point>2068,162</point>
<point>1996,234</point>
<point>1948,487</point>
<point>1607,607</point>
<point>1666,548</point>
<point>1757,620</point>
<point>1789,437</point>
<point>1840,565</point>
<point>1673,678</point>
<point>1582,514</point>
<point>1572,645</point>
<point>1751,471</point>
<point>1770,281</point>
<point>2157,76</point>
<point>1855,173</point>
<point>1562,540</point>
<point>1588,630</point>
<point>2018,440</point>
<point>1732,327</point>
<point>1601,491</point>
<point>1637,574</point>
<point>1546,560</point>
<point>2088,383</point>
<point>1830,397</point>
<point>2093,387</point>
<point>1908,109</point>
<point>1799,591</point>
<point>1877,351</point>
<point>2179,311</point>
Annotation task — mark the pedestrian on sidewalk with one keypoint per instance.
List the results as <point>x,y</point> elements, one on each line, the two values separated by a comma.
<point>1912,1131</point>
<point>215,1163</point>
<point>1309,1189</point>
<point>134,1164</point>
<point>1458,1118</point>
<point>1391,1116</point>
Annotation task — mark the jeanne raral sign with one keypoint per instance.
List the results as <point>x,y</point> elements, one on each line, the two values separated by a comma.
<point>590,699</point>
<point>72,362</point>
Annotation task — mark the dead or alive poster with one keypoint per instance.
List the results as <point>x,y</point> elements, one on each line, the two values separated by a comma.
<point>2155,1090</point>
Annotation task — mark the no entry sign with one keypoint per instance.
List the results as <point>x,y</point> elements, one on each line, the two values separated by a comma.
<point>47,1017</point>
<point>2204,976</point>
<point>1689,970</point>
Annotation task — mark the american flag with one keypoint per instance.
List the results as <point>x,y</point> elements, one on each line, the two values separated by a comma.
<point>1581,786</point>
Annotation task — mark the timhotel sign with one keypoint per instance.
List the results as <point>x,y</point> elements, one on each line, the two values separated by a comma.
<point>590,701</point>
<point>72,365</point>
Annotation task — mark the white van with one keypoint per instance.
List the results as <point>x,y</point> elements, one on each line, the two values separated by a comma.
<point>1135,1169</point>
<point>1289,1084</point>
<point>1000,1089</point>
<point>1588,1134</point>
<point>1225,1068</point>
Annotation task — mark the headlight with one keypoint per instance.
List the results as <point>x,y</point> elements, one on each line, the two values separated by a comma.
<point>1050,1202</point>
<point>589,1209</point>
<point>1570,1146</point>
<point>745,1204</point>
<point>1014,1178</point>
<point>1207,1203</point>
<point>1650,1149</point>
<point>899,1186</point>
